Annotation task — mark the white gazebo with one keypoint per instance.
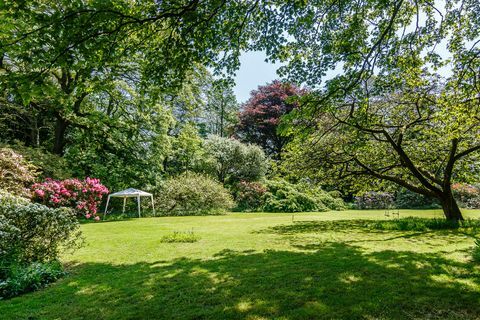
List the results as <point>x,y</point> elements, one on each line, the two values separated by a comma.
<point>130,193</point>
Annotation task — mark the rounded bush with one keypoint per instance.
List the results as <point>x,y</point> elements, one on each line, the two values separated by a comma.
<point>33,232</point>
<point>374,200</point>
<point>82,196</point>
<point>192,194</point>
<point>283,196</point>
<point>249,196</point>
<point>467,196</point>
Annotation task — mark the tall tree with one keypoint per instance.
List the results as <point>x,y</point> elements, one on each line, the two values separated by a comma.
<point>221,108</point>
<point>397,110</point>
<point>54,55</point>
<point>260,116</point>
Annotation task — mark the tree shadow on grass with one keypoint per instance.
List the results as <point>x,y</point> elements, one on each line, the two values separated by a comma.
<point>371,227</point>
<point>336,281</point>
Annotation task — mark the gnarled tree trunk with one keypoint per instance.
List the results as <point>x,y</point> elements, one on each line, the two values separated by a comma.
<point>450,206</point>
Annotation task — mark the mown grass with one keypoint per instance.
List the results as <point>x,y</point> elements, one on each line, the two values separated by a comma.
<point>333,265</point>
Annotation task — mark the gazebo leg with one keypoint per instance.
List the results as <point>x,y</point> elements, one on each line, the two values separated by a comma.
<point>106,206</point>
<point>138,203</point>
<point>124,202</point>
<point>153,206</point>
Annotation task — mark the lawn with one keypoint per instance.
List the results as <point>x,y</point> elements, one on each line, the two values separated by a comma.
<point>262,266</point>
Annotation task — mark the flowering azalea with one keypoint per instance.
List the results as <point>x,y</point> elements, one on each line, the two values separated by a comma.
<point>84,196</point>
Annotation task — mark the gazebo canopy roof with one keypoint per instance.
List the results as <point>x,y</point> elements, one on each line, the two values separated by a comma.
<point>130,192</point>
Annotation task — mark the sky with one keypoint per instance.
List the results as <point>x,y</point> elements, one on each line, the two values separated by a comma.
<point>254,71</point>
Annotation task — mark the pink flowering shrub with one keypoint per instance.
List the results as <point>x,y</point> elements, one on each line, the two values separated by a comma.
<point>249,195</point>
<point>83,196</point>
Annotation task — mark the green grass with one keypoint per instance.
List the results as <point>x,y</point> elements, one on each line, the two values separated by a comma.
<point>331,265</point>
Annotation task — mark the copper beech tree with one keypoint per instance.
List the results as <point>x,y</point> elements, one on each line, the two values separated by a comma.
<point>261,114</point>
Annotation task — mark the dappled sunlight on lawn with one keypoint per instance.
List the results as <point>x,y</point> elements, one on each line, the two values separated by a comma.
<point>269,268</point>
<point>337,280</point>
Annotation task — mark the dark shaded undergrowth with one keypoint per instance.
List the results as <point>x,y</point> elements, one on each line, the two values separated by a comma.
<point>332,281</point>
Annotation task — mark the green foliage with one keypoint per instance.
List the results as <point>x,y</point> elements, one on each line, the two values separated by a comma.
<point>31,277</point>
<point>131,154</point>
<point>422,224</point>
<point>16,173</point>
<point>32,238</point>
<point>32,232</point>
<point>181,237</point>
<point>187,152</point>
<point>283,196</point>
<point>192,194</point>
<point>397,109</point>
<point>231,161</point>
<point>221,109</point>
<point>476,251</point>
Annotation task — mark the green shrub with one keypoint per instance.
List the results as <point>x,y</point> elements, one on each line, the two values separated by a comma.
<point>180,236</point>
<point>26,278</point>
<point>282,196</point>
<point>31,239</point>
<point>33,232</point>
<point>192,194</point>
<point>16,173</point>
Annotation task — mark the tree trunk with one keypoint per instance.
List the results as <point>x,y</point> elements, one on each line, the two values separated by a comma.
<point>222,115</point>
<point>450,207</point>
<point>35,132</point>
<point>60,131</point>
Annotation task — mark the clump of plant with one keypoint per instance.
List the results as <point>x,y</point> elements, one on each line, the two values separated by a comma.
<point>16,173</point>
<point>249,196</point>
<point>467,196</point>
<point>231,161</point>
<point>30,277</point>
<point>181,237</point>
<point>282,196</point>
<point>82,196</point>
<point>192,194</point>
<point>32,238</point>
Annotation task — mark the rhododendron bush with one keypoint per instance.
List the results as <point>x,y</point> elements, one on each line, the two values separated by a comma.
<point>83,196</point>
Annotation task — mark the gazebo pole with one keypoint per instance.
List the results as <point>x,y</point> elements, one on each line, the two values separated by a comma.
<point>106,206</point>
<point>124,201</point>
<point>153,206</point>
<point>138,203</point>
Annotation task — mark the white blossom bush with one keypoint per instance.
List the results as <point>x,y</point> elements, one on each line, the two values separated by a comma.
<point>16,173</point>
